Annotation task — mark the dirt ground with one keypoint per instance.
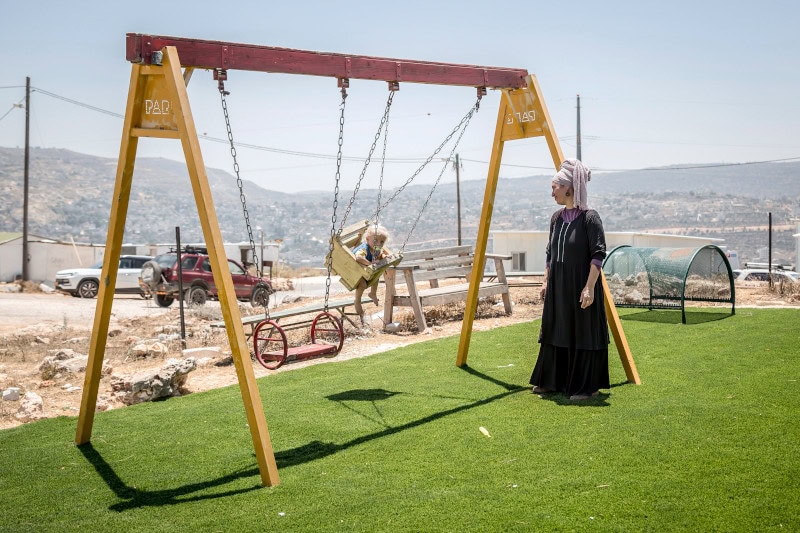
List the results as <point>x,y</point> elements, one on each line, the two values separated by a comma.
<point>34,325</point>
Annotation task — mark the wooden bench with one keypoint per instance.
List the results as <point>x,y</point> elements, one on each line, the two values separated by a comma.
<point>519,278</point>
<point>430,266</point>
<point>302,321</point>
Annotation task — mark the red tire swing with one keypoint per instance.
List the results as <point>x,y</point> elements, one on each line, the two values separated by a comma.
<point>272,349</point>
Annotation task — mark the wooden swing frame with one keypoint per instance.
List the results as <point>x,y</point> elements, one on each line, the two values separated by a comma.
<point>158,107</point>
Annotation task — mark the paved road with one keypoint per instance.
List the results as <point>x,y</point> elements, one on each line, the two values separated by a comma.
<point>18,310</point>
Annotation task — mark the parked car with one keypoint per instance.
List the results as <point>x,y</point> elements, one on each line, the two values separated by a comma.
<point>762,274</point>
<point>85,282</point>
<point>159,278</point>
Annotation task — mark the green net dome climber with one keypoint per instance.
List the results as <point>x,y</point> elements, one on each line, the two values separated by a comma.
<point>666,278</point>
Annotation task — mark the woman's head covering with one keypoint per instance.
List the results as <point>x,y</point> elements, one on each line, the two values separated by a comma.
<point>574,173</point>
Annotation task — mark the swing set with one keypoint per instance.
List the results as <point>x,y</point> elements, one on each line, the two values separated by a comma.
<point>158,107</point>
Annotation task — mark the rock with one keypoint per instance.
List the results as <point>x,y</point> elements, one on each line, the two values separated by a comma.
<point>147,386</point>
<point>392,327</point>
<point>66,361</point>
<point>47,289</point>
<point>11,394</point>
<point>147,350</point>
<point>227,360</point>
<point>31,407</point>
<point>102,404</point>
<point>10,287</point>
<point>62,354</point>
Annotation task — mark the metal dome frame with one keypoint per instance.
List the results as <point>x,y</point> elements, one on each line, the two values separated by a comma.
<point>668,273</point>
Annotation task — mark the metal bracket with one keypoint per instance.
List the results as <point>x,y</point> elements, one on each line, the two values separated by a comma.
<point>221,75</point>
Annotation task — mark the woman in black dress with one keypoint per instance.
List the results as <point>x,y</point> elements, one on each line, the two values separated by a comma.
<point>573,352</point>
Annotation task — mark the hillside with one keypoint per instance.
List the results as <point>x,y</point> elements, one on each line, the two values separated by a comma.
<point>70,197</point>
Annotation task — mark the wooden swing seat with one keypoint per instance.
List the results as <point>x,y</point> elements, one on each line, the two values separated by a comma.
<point>305,351</point>
<point>343,262</point>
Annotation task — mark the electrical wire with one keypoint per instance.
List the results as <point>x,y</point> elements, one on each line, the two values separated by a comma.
<point>416,160</point>
<point>18,105</point>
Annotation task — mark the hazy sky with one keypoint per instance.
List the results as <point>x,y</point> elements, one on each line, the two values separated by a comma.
<point>661,83</point>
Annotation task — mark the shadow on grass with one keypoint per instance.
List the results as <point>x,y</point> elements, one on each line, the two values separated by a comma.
<point>601,400</point>
<point>364,395</point>
<point>318,449</point>
<point>663,316</point>
<point>135,498</point>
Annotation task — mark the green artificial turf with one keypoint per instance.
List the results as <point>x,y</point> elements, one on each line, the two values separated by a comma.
<point>392,442</point>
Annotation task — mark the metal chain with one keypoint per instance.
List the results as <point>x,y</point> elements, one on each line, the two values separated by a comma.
<point>335,193</point>
<point>383,166</point>
<point>465,123</point>
<point>367,161</point>
<point>240,184</point>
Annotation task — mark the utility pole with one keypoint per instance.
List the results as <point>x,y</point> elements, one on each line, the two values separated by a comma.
<point>458,197</point>
<point>25,178</point>
<point>578,144</point>
<point>769,256</point>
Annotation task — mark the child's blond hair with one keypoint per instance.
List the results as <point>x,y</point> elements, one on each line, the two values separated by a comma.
<point>377,230</point>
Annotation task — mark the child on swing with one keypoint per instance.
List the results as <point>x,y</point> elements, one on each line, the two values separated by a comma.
<point>369,252</point>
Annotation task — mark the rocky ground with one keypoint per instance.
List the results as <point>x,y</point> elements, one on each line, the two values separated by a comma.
<point>37,337</point>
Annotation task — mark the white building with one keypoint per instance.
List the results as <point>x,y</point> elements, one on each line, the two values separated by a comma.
<point>45,256</point>
<point>527,248</point>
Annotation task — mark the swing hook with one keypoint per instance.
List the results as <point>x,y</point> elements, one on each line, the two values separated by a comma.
<point>344,83</point>
<point>394,86</point>
<point>481,94</point>
<point>221,75</point>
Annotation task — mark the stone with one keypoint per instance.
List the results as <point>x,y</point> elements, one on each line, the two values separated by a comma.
<point>31,407</point>
<point>11,394</point>
<point>66,361</point>
<point>392,327</point>
<point>47,289</point>
<point>170,380</point>
<point>148,350</point>
<point>102,404</point>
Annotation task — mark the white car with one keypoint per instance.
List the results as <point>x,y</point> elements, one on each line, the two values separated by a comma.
<point>762,274</point>
<point>85,282</point>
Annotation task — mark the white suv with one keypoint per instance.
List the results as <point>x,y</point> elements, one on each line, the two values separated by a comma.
<point>85,282</point>
<point>762,274</point>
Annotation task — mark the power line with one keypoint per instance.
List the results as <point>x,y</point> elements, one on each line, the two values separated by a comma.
<point>77,103</point>
<point>412,160</point>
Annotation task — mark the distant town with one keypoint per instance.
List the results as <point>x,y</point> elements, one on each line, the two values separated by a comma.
<point>70,198</point>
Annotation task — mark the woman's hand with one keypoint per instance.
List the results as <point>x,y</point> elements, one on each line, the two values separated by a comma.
<point>543,291</point>
<point>587,297</point>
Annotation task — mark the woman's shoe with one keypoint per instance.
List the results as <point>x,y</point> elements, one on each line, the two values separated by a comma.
<point>539,390</point>
<point>580,397</point>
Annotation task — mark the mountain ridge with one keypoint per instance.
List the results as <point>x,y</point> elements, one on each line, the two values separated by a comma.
<point>70,197</point>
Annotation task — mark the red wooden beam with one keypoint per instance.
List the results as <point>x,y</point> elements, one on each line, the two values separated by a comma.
<point>232,56</point>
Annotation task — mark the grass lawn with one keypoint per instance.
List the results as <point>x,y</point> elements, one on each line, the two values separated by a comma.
<point>708,442</point>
